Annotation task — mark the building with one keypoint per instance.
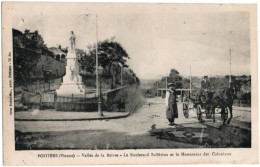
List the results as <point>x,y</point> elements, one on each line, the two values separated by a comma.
<point>59,54</point>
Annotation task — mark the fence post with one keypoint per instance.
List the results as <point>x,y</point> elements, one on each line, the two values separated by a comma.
<point>41,96</point>
<point>37,86</point>
<point>40,86</point>
<point>66,100</point>
<point>181,96</point>
<point>72,104</point>
<point>55,100</point>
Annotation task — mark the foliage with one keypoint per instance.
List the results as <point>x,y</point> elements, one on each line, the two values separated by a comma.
<point>112,57</point>
<point>185,83</point>
<point>174,77</point>
<point>28,47</point>
<point>242,84</point>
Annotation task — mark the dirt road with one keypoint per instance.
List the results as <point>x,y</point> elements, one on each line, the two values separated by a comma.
<point>146,128</point>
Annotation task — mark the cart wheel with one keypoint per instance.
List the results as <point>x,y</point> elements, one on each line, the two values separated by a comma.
<point>208,113</point>
<point>224,115</point>
<point>199,113</point>
<point>185,110</point>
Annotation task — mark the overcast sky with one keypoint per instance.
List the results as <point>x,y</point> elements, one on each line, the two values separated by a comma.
<point>158,41</point>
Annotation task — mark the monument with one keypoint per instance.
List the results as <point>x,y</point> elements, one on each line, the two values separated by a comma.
<point>72,81</point>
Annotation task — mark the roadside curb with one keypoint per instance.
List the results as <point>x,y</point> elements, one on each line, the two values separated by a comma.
<point>83,119</point>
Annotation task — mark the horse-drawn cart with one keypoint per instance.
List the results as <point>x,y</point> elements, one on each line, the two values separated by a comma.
<point>204,103</point>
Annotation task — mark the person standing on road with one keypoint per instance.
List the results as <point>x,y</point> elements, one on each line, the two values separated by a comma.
<point>171,104</point>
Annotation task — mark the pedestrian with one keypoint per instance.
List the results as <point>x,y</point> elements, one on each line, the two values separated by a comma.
<point>171,104</point>
<point>121,104</point>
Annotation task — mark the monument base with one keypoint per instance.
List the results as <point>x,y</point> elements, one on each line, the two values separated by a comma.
<point>77,89</point>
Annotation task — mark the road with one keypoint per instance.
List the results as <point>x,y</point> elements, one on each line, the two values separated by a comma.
<point>144,129</point>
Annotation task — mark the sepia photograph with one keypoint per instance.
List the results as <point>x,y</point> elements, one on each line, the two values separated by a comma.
<point>139,77</point>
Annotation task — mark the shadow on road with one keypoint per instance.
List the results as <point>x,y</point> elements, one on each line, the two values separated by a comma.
<point>91,140</point>
<point>177,136</point>
<point>227,136</point>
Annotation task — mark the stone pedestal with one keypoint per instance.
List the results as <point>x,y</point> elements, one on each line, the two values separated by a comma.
<point>72,81</point>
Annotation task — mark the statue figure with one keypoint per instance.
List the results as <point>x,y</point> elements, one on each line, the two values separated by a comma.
<point>72,41</point>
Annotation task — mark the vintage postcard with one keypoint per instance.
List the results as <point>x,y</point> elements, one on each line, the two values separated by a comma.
<point>129,83</point>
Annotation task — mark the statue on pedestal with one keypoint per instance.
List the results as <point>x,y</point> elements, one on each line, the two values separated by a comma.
<point>72,81</point>
<point>72,41</point>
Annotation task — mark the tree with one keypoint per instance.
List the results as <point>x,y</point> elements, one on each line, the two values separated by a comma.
<point>185,83</point>
<point>28,47</point>
<point>174,77</point>
<point>111,56</point>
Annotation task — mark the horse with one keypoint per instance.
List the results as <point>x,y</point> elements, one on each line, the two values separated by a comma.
<point>210,100</point>
<point>224,100</point>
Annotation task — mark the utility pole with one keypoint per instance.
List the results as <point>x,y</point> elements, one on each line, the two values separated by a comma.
<point>190,79</point>
<point>97,58</point>
<point>98,84</point>
<point>229,83</point>
<point>166,83</point>
<point>229,67</point>
<point>122,76</point>
<point>157,93</point>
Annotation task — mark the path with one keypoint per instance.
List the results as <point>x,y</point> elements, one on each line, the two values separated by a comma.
<point>146,128</point>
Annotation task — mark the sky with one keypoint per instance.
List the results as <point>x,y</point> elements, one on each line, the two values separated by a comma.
<point>158,41</point>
